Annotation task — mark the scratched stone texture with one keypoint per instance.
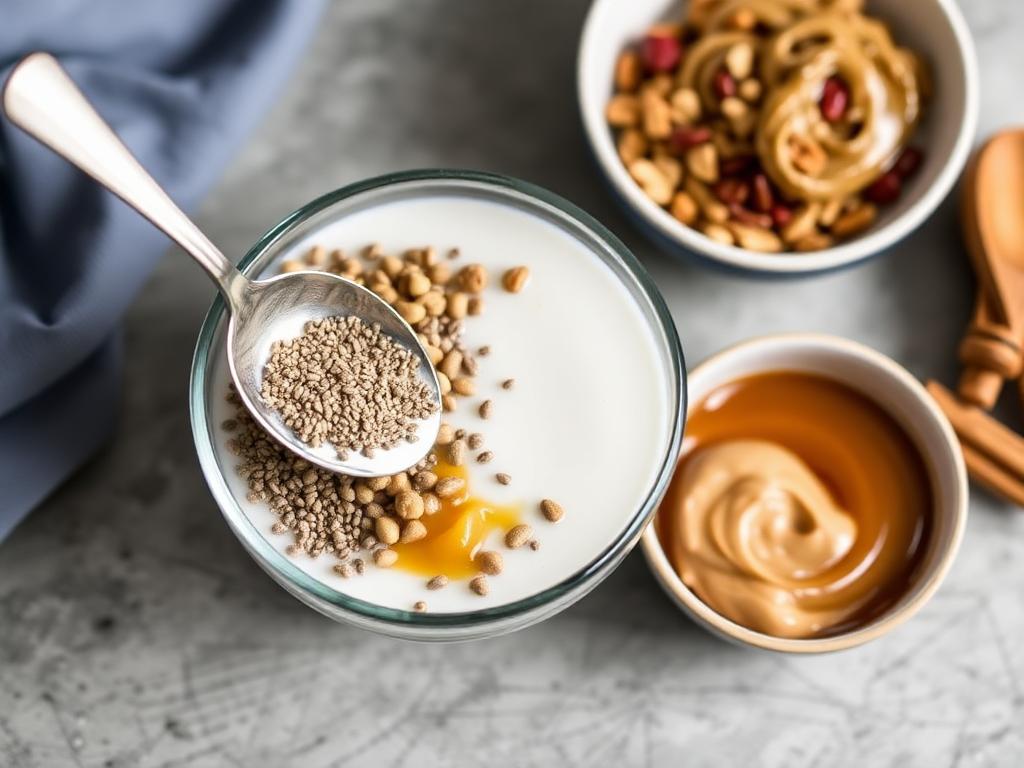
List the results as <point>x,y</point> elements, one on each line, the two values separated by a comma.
<point>134,631</point>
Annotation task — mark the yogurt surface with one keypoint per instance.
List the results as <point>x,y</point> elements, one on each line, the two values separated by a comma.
<point>588,422</point>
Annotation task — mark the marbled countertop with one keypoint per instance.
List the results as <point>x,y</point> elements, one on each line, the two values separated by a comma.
<point>134,630</point>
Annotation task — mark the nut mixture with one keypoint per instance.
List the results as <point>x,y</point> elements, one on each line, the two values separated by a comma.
<point>772,125</point>
<point>345,516</point>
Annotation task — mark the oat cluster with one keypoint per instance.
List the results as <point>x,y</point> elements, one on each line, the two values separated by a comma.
<point>348,384</point>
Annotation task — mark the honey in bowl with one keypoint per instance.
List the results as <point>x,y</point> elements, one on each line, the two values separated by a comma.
<point>800,508</point>
<point>455,533</point>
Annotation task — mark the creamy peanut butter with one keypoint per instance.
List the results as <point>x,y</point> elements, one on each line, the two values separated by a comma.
<point>884,92</point>
<point>800,508</point>
<point>757,529</point>
<point>800,44</point>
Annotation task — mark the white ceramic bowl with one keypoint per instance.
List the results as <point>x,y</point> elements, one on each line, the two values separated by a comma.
<point>935,28</point>
<point>903,397</point>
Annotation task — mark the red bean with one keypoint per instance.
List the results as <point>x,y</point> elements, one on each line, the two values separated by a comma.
<point>781,215</point>
<point>835,97</point>
<point>908,162</point>
<point>744,216</point>
<point>724,84</point>
<point>684,138</point>
<point>661,53</point>
<point>885,189</point>
<point>763,197</point>
<point>732,191</point>
<point>737,166</point>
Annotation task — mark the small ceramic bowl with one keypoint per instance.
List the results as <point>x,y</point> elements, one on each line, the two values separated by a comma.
<point>935,28</point>
<point>899,393</point>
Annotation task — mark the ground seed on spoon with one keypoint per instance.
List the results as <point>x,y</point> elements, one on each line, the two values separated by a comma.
<point>345,383</point>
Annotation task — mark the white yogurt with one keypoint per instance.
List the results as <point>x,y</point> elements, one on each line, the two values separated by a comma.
<point>587,424</point>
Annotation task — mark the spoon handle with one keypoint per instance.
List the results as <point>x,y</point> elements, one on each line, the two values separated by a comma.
<point>43,101</point>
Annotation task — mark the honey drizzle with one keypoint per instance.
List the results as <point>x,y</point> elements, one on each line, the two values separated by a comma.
<point>456,532</point>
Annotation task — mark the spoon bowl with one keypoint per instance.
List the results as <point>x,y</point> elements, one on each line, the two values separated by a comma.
<point>992,201</point>
<point>279,308</point>
<point>42,100</point>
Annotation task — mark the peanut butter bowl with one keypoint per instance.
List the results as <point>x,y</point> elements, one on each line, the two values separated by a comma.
<point>819,501</point>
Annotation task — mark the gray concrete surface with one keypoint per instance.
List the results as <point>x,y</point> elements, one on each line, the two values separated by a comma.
<point>134,631</point>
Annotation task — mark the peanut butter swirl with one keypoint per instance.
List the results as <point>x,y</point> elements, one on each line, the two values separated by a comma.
<point>799,45</point>
<point>800,508</point>
<point>757,533</point>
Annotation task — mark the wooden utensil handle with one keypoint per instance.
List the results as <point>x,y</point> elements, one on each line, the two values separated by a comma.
<point>991,353</point>
<point>991,475</point>
<point>980,386</point>
<point>994,454</point>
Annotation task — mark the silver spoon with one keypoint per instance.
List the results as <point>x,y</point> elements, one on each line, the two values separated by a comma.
<point>42,100</point>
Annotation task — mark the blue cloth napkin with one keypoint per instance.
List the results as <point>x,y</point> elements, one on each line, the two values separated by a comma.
<point>182,83</point>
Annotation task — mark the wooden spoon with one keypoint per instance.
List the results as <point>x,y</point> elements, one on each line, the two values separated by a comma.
<point>993,220</point>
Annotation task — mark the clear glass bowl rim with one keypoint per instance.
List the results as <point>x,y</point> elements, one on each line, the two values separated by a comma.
<point>268,557</point>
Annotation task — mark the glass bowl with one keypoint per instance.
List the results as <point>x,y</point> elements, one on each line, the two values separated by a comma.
<point>505,191</point>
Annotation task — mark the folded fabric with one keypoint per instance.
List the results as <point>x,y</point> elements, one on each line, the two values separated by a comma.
<point>182,83</point>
